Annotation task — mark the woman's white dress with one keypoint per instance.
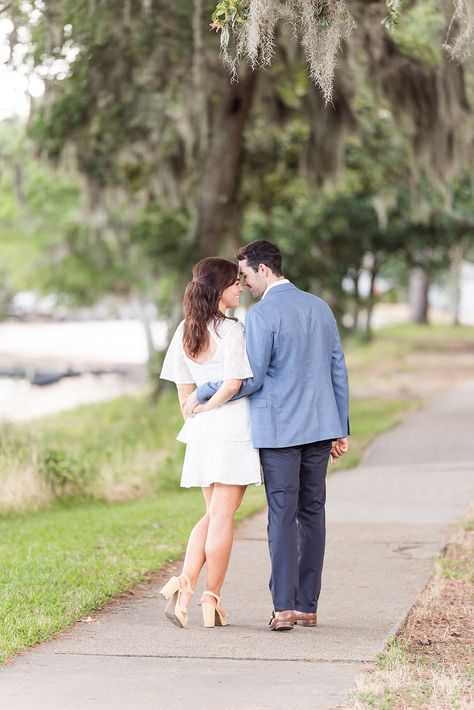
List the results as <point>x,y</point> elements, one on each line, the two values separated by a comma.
<point>218,443</point>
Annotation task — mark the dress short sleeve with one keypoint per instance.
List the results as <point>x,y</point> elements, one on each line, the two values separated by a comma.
<point>175,367</point>
<point>236,362</point>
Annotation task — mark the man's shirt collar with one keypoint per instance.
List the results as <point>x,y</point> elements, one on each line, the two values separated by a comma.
<point>275,283</point>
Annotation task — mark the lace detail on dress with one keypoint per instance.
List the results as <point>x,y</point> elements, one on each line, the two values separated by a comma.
<point>236,364</point>
<point>175,367</point>
<point>229,362</point>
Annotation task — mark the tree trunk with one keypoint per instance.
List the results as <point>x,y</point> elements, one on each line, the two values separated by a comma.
<point>354,275</point>
<point>419,287</point>
<point>355,325</point>
<point>457,256</point>
<point>145,321</point>
<point>217,211</point>
<point>371,301</point>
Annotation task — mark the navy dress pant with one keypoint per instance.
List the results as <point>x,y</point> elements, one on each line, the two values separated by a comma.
<point>295,485</point>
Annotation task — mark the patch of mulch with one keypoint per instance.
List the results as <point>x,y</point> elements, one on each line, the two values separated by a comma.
<point>440,626</point>
<point>446,632</point>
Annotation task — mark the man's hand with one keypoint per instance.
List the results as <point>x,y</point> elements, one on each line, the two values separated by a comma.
<point>189,405</point>
<point>339,448</point>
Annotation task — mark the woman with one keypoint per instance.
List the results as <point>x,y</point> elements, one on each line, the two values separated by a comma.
<point>220,458</point>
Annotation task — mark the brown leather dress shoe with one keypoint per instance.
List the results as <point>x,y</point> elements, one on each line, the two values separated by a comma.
<point>282,620</point>
<point>303,618</point>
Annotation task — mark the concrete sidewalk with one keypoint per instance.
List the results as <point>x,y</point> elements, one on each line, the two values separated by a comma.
<point>387,519</point>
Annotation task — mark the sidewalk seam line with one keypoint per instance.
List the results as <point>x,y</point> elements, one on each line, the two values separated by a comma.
<point>214,658</point>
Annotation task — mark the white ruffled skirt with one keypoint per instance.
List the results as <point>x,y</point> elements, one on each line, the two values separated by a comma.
<point>219,447</point>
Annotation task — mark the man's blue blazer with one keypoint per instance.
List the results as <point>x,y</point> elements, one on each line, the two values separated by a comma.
<point>299,389</point>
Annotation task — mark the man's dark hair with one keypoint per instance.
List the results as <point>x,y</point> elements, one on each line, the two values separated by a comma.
<point>261,252</point>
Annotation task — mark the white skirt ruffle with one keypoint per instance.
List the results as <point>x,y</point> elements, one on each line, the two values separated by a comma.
<point>219,447</point>
<point>233,463</point>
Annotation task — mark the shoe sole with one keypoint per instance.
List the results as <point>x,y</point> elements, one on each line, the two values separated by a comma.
<point>170,612</point>
<point>174,619</point>
<point>283,626</point>
<point>311,624</point>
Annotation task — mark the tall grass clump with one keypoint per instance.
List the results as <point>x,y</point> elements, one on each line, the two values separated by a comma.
<point>109,451</point>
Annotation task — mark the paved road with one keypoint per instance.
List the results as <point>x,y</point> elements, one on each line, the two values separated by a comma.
<point>387,519</point>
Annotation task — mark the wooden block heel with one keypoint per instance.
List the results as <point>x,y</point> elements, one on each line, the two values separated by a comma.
<point>171,586</point>
<point>213,614</point>
<point>174,611</point>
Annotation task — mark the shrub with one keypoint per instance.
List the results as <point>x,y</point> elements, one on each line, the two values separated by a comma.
<point>65,472</point>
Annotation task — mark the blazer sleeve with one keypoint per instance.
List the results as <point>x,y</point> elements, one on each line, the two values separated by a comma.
<point>259,343</point>
<point>340,380</point>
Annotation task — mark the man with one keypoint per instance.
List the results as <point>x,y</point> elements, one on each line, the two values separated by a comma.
<point>299,406</point>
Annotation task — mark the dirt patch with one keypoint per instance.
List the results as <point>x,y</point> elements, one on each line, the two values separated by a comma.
<point>430,662</point>
<point>439,631</point>
<point>446,632</point>
<point>441,624</point>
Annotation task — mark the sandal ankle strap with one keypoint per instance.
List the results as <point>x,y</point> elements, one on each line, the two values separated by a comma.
<point>187,589</point>
<point>212,594</point>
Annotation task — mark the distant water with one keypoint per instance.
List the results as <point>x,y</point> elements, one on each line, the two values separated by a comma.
<point>75,345</point>
<point>20,401</point>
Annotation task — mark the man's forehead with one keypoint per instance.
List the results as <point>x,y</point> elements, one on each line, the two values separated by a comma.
<point>243,265</point>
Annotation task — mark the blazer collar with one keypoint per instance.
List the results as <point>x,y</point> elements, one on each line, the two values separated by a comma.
<point>279,289</point>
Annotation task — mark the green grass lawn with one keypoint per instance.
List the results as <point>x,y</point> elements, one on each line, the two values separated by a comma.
<point>58,564</point>
<point>122,514</point>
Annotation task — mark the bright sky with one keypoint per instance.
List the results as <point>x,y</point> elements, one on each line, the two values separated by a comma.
<point>18,82</point>
<point>15,84</point>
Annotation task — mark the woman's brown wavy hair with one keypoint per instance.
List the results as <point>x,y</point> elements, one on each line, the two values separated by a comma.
<point>211,276</point>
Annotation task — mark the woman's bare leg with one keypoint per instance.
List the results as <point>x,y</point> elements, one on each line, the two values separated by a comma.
<point>195,551</point>
<point>224,502</point>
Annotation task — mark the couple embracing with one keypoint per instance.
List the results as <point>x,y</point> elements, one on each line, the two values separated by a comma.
<point>270,397</point>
